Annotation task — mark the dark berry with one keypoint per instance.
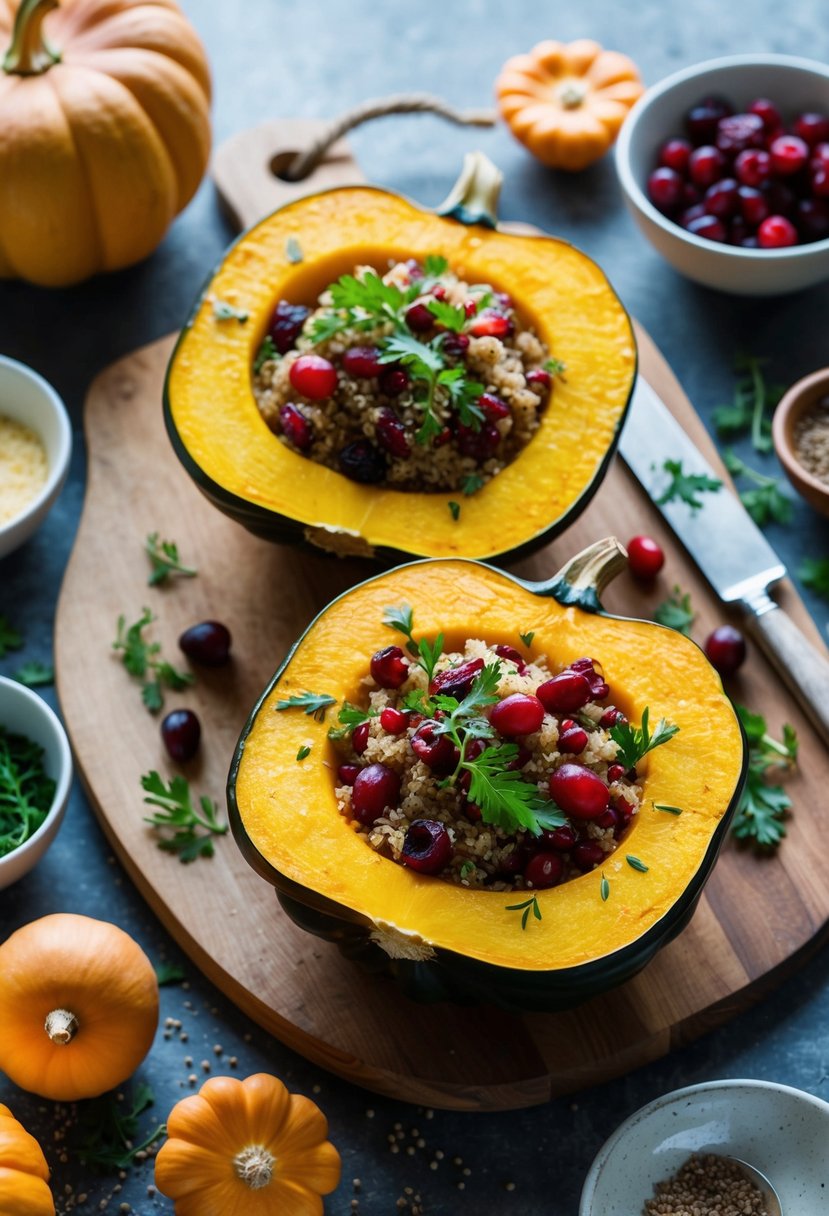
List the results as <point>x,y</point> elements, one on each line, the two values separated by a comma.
<point>518,714</point>
<point>702,119</point>
<point>665,189</point>
<point>544,870</point>
<point>726,649</point>
<point>393,721</point>
<point>493,407</point>
<point>389,667</point>
<point>674,155</point>
<point>376,788</point>
<point>207,643</point>
<point>455,345</point>
<point>539,378</point>
<point>708,226</point>
<point>362,362</point>
<point>491,324</point>
<point>347,773</point>
<point>313,376</point>
<point>427,846</point>
<point>360,737</point>
<point>721,199</point>
<point>579,792</point>
<point>645,557</point>
<point>768,112</point>
<point>512,656</point>
<point>361,461</point>
<point>776,232</point>
<point>561,839</point>
<point>612,717</point>
<point>419,319</point>
<point>436,751</point>
<point>456,681</point>
<point>393,381</point>
<point>811,128</point>
<point>706,166</point>
<point>754,206</point>
<point>812,217</point>
<point>481,444</point>
<point>573,741</point>
<point>592,672</point>
<point>564,693</point>
<point>181,731</point>
<point>391,435</point>
<point>587,854</point>
<point>753,167</point>
<point>738,132</point>
<point>295,426</point>
<point>286,325</point>
<point>788,155</point>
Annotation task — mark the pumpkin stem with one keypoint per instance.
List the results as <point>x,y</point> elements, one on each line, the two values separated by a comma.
<point>61,1026</point>
<point>582,580</point>
<point>255,1166</point>
<point>29,53</point>
<point>571,94</point>
<point>474,197</point>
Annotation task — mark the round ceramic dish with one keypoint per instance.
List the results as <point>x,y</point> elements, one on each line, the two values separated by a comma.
<point>800,398</point>
<point>23,712</point>
<point>28,398</point>
<point>792,83</point>
<point>781,1131</point>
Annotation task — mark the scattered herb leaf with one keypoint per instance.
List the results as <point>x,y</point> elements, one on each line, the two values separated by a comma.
<point>35,674</point>
<point>293,250</point>
<point>685,487</point>
<point>434,265</point>
<point>765,501</point>
<point>764,806</point>
<point>814,572</point>
<point>10,639</point>
<point>676,612</point>
<point>527,638</point>
<point>450,316</point>
<point>750,410</point>
<point>169,973</point>
<point>554,366</point>
<point>635,742</point>
<point>141,659</point>
<point>529,905</point>
<point>224,311</point>
<point>26,791</point>
<point>454,509</point>
<point>303,753</point>
<point>604,888</point>
<point>471,484</point>
<point>636,864</point>
<point>467,868</point>
<point>427,653</point>
<point>165,560</point>
<point>669,810</point>
<point>349,717</point>
<point>176,812</point>
<point>108,1130</point>
<point>314,704</point>
<point>267,351</point>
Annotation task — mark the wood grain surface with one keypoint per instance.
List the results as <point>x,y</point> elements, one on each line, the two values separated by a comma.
<point>757,919</point>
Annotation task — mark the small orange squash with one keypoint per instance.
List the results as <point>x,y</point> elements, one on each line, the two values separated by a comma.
<point>78,1006</point>
<point>247,1148</point>
<point>104,133</point>
<point>24,1174</point>
<point>567,101</point>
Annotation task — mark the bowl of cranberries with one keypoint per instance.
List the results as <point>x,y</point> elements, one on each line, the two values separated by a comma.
<point>725,168</point>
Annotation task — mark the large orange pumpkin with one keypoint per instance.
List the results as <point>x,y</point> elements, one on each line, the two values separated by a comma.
<point>104,133</point>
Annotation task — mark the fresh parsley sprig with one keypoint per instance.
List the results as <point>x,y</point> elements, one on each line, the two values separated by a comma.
<point>427,367</point>
<point>764,805</point>
<point>349,717</point>
<point>814,572</point>
<point>314,704</point>
<point>142,660</point>
<point>686,487</point>
<point>765,501</point>
<point>177,813</point>
<point>165,560</point>
<point>401,619</point>
<point>108,1130</point>
<point>750,410</point>
<point>634,742</point>
<point>676,612</point>
<point>35,674</point>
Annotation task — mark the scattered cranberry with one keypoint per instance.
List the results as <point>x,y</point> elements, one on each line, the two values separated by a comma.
<point>518,714</point>
<point>544,870</point>
<point>564,693</point>
<point>624,809</point>
<point>393,721</point>
<point>480,445</point>
<point>436,751</point>
<point>181,731</point>
<point>726,649</point>
<point>360,736</point>
<point>788,155</point>
<point>768,112</point>
<point>811,128</point>
<point>561,839</point>
<point>207,643</point>
<point>820,157</point>
<point>391,435</point>
<point>360,461</point>
<point>738,231</point>
<point>665,189</point>
<point>674,155</point>
<point>455,345</point>
<point>490,324</point>
<point>578,791</point>
<point>645,557</point>
<point>493,407</point>
<point>708,226</point>
<point>393,381</point>
<point>611,818</point>
<point>286,325</point>
<point>347,773</point>
<point>776,233</point>
<point>313,376</point>
<point>780,198</point>
<point>738,132</point>
<point>615,772</point>
<point>722,198</point>
<point>456,681</point>
<point>427,846</point>
<point>754,205</point>
<point>295,426</point>
<point>612,717</point>
<point>363,362</point>
<point>693,213</point>
<point>512,863</point>
<point>820,185</point>
<point>573,740</point>
<point>703,118</point>
<point>706,165</point>
<point>587,855</point>
<point>523,756</point>
<point>753,167</point>
<point>539,377</point>
<point>592,672</point>
<point>376,787</point>
<point>419,318</point>
<point>389,667</point>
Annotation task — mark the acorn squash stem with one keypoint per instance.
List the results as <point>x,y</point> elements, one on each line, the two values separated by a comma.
<point>61,1026</point>
<point>29,53</point>
<point>474,197</point>
<point>582,580</point>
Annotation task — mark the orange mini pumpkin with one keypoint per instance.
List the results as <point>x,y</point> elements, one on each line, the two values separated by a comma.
<point>104,133</point>
<point>247,1148</point>
<point>567,101</point>
<point>24,1174</point>
<point>78,1006</point>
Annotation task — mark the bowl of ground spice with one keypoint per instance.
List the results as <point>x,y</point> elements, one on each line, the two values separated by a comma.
<point>801,438</point>
<point>679,1154</point>
<point>35,447</point>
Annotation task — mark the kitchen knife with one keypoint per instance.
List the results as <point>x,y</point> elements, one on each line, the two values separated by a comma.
<point>727,545</point>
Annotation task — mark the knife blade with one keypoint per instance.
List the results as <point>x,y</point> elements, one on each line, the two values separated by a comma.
<point>726,545</point>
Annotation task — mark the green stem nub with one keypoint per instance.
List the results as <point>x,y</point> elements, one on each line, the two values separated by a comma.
<point>29,53</point>
<point>474,197</point>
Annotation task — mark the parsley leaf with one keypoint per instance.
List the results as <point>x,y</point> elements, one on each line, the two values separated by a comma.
<point>764,806</point>
<point>427,653</point>
<point>527,638</point>
<point>141,659</point>
<point>454,510</point>
<point>26,791</point>
<point>35,674</point>
<point>10,639</point>
<point>109,1128</point>
<point>471,484</point>
<point>814,572</point>
<point>750,410</point>
<point>176,812</point>
<point>684,487</point>
<point>313,703</point>
<point>450,316</point>
<point>267,352</point>
<point>676,612</point>
<point>529,905</point>
<point>169,973</point>
<point>434,265</point>
<point>349,717</point>
<point>554,366</point>
<point>165,560</point>
<point>765,502</point>
<point>224,311</point>
<point>635,742</point>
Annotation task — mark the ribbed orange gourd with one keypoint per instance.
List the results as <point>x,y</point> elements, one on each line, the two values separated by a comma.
<point>247,1148</point>
<point>567,101</point>
<point>78,1007</point>
<point>24,1174</point>
<point>104,133</point>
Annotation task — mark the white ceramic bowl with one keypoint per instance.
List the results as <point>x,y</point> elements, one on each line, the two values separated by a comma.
<point>783,1132</point>
<point>794,85</point>
<point>23,712</point>
<point>28,398</point>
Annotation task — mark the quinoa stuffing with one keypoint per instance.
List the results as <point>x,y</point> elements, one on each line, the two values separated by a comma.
<point>415,380</point>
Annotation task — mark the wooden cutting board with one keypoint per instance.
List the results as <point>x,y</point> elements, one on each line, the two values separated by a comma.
<point>758,918</point>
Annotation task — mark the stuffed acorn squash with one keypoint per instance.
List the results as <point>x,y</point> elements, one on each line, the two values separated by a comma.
<point>562,303</point>
<point>450,940</point>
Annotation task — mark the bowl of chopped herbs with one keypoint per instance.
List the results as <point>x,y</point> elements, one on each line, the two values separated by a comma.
<point>35,776</point>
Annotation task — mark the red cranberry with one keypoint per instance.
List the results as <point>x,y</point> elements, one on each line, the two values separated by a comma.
<point>295,426</point>
<point>811,128</point>
<point>490,324</point>
<point>286,325</point>
<point>665,189</point>
<point>591,671</point>
<point>690,195</point>
<point>419,319</point>
<point>573,741</point>
<point>721,199</point>
<point>313,376</point>
<point>391,435</point>
<point>518,714</point>
<point>819,184</point>
<point>207,643</point>
<point>494,408</point>
<point>754,205</point>
<point>615,772</point>
<point>389,668</point>
<point>455,345</point>
<point>436,751</point>
<point>539,378</point>
<point>512,656</point>
<point>738,230</point>
<point>753,167</point>
<point>587,855</point>
<point>479,444</point>
<point>702,119</point>
<point>470,306</point>
<point>544,870</point>
<point>360,737</point>
<point>579,792</point>
<point>427,847</point>
<point>567,691</point>
<point>674,155</point>
<point>710,227</point>
<point>788,155</point>
<point>393,721</point>
<point>645,557</point>
<point>360,461</point>
<point>393,381</point>
<point>561,839</point>
<point>363,362</point>
<point>820,157</point>
<point>692,213</point>
<point>726,649</point>
<point>456,681</point>
<point>472,812</point>
<point>512,863</point>
<point>612,717</point>
<point>347,773</point>
<point>181,731</point>
<point>780,198</point>
<point>768,112</point>
<point>812,217</point>
<point>376,787</point>
<point>706,165</point>
<point>612,818</point>
<point>776,232</point>
<point>738,132</point>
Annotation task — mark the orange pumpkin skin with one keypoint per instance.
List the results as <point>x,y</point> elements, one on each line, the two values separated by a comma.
<point>24,1174</point>
<point>247,1148</point>
<point>567,101</point>
<point>89,971</point>
<point>101,150</point>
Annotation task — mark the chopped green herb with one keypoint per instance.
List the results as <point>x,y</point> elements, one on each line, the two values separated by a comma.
<point>685,487</point>
<point>669,810</point>
<point>35,674</point>
<point>527,638</point>
<point>814,572</point>
<point>765,502</point>
<point>26,791</point>
<point>108,1130</point>
<point>529,905</point>
<point>604,889</point>
<point>303,753</point>
<point>471,484</point>
<point>635,742</point>
<point>293,250</point>
<point>169,973</point>
<point>450,316</point>
<point>635,863</point>
<point>554,366</point>
<point>165,560</point>
<point>10,639</point>
<point>752,406</point>
<point>176,812</point>
<point>349,717</point>
<point>434,265</point>
<point>427,653</point>
<point>314,704</point>
<point>141,659</point>
<point>467,868</point>
<point>267,351</point>
<point>223,311</point>
<point>676,612</point>
<point>764,806</point>
<point>454,509</point>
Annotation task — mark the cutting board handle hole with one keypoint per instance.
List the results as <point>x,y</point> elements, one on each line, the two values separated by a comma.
<point>280,166</point>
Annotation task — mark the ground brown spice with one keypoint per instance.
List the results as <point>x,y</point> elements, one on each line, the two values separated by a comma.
<point>811,440</point>
<point>707,1185</point>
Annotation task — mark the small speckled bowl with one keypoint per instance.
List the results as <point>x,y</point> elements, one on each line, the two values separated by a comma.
<point>798,400</point>
<point>783,1132</point>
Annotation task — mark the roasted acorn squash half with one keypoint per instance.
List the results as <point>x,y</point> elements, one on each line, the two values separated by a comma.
<point>444,941</point>
<point>250,474</point>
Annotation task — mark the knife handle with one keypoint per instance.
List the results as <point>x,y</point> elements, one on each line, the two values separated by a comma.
<point>803,667</point>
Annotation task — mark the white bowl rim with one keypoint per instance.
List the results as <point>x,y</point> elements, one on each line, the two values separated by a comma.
<point>63,778</point>
<point>675,1095</point>
<point>640,198</point>
<point>59,467</point>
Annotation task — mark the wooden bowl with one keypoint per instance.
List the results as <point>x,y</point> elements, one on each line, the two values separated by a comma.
<point>799,399</point>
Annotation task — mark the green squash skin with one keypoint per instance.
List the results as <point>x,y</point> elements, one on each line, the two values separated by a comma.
<point>282,529</point>
<point>450,976</point>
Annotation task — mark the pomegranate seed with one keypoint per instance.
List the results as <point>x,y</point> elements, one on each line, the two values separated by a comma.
<point>523,757</point>
<point>362,362</point>
<point>493,407</point>
<point>436,751</point>
<point>360,461</point>
<point>776,233</point>
<point>518,714</point>
<point>591,670</point>
<point>376,787</point>
<point>625,809</point>
<point>561,839</point>
<point>544,870</point>
<point>768,112</point>
<point>812,216</point>
<point>389,667</point>
<point>419,319</point>
<point>393,721</point>
<point>445,436</point>
<point>788,155</point>
<point>207,643</point>
<point>706,165</point>
<point>480,445</point>
<point>360,737</point>
<point>573,741</point>
<point>295,426</point>
<point>579,792</point>
<point>665,189</point>
<point>490,324</point>
<point>313,376</point>
<point>512,656</point>
<point>725,649</point>
<point>702,119</point>
<point>753,205</point>
<point>587,854</point>
<point>393,381</point>
<point>181,732</point>
<point>645,557</point>
<point>456,681</point>
<point>708,226</point>
<point>286,325</point>
<point>811,128</point>
<point>610,819</point>
<point>347,773</point>
<point>674,155</point>
<point>738,132</point>
<point>472,812</point>
<point>427,847</point>
<point>615,772</point>
<point>539,378</point>
<point>455,345</point>
<point>391,435</point>
<point>439,292</point>
<point>470,307</point>
<point>753,167</point>
<point>567,691</point>
<point>612,717</point>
